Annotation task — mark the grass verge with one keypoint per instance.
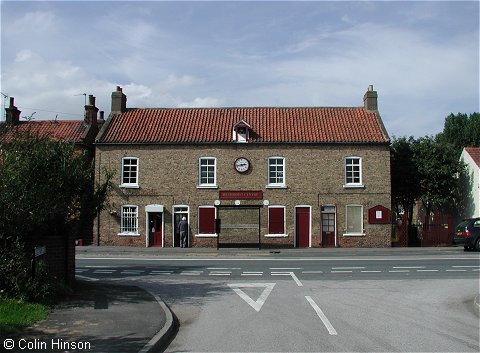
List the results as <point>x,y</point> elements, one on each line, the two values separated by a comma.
<point>15,314</point>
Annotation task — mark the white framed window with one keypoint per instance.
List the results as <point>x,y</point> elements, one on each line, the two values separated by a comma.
<point>206,221</point>
<point>129,220</point>
<point>207,172</point>
<point>276,221</point>
<point>353,172</point>
<point>276,172</point>
<point>129,172</point>
<point>354,220</point>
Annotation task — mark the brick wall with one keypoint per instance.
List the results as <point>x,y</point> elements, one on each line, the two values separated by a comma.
<point>314,175</point>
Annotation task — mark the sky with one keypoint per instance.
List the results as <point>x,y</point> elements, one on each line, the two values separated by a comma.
<point>422,57</point>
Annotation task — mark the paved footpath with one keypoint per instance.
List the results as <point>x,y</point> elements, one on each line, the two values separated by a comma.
<point>94,320</point>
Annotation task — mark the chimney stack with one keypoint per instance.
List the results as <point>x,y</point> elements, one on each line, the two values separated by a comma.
<point>12,113</point>
<point>91,111</point>
<point>370,99</point>
<point>119,101</point>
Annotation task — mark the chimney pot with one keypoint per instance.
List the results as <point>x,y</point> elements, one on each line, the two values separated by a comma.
<point>370,99</point>
<point>12,114</point>
<point>91,100</point>
<point>119,101</point>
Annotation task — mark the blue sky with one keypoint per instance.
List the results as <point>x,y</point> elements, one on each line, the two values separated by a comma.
<point>422,57</point>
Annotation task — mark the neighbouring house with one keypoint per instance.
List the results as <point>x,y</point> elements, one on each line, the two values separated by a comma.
<point>60,251</point>
<point>471,157</point>
<point>264,176</point>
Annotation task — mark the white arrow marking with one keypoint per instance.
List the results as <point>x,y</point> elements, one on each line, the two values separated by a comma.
<point>256,304</point>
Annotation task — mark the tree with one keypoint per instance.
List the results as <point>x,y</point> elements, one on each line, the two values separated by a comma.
<point>43,186</point>
<point>405,176</point>
<point>461,130</point>
<point>438,167</point>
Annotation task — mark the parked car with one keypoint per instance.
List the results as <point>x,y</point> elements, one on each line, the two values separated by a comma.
<point>467,233</point>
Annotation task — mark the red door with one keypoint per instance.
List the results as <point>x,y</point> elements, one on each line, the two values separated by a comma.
<point>155,220</point>
<point>302,222</point>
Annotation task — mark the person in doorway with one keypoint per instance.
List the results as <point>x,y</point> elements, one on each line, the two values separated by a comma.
<point>183,229</point>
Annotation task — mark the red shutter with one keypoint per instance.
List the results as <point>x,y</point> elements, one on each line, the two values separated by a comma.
<point>206,223</point>
<point>276,220</point>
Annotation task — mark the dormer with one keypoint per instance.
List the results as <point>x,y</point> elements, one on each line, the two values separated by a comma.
<point>241,132</point>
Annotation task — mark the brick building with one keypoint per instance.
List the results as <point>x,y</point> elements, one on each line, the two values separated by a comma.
<point>279,177</point>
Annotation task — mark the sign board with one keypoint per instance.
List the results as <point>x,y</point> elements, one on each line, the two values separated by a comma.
<point>40,250</point>
<point>378,215</point>
<point>240,195</point>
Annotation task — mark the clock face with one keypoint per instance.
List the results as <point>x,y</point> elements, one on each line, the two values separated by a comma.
<point>242,165</point>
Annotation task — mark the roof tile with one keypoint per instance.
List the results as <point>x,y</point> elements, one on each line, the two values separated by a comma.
<point>270,125</point>
<point>59,130</point>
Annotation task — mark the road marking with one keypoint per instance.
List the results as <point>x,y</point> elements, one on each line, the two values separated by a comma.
<point>465,266</point>
<point>87,278</point>
<point>223,268</point>
<point>322,316</point>
<point>347,268</point>
<point>291,274</point>
<point>399,271</point>
<point>220,273</point>
<point>104,271</point>
<point>286,268</point>
<point>341,271</point>
<point>246,273</point>
<point>456,270</point>
<point>191,273</point>
<point>256,304</point>
<point>371,271</point>
<point>409,267</point>
<point>157,272</point>
<point>427,270</point>
<point>131,272</point>
<point>312,271</point>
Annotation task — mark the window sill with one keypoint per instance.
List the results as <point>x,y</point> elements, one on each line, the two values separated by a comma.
<point>129,186</point>
<point>207,186</point>
<point>354,186</point>
<point>129,234</point>
<point>213,235</point>
<point>276,186</point>
<point>354,234</point>
<point>276,235</point>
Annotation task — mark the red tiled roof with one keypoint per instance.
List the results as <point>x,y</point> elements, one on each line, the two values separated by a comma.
<point>474,152</point>
<point>269,125</point>
<point>63,130</point>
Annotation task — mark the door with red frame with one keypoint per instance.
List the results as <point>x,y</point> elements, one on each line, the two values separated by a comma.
<point>155,226</point>
<point>302,226</point>
<point>328,226</point>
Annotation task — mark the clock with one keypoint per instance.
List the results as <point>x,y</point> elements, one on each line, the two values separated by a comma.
<point>242,165</point>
